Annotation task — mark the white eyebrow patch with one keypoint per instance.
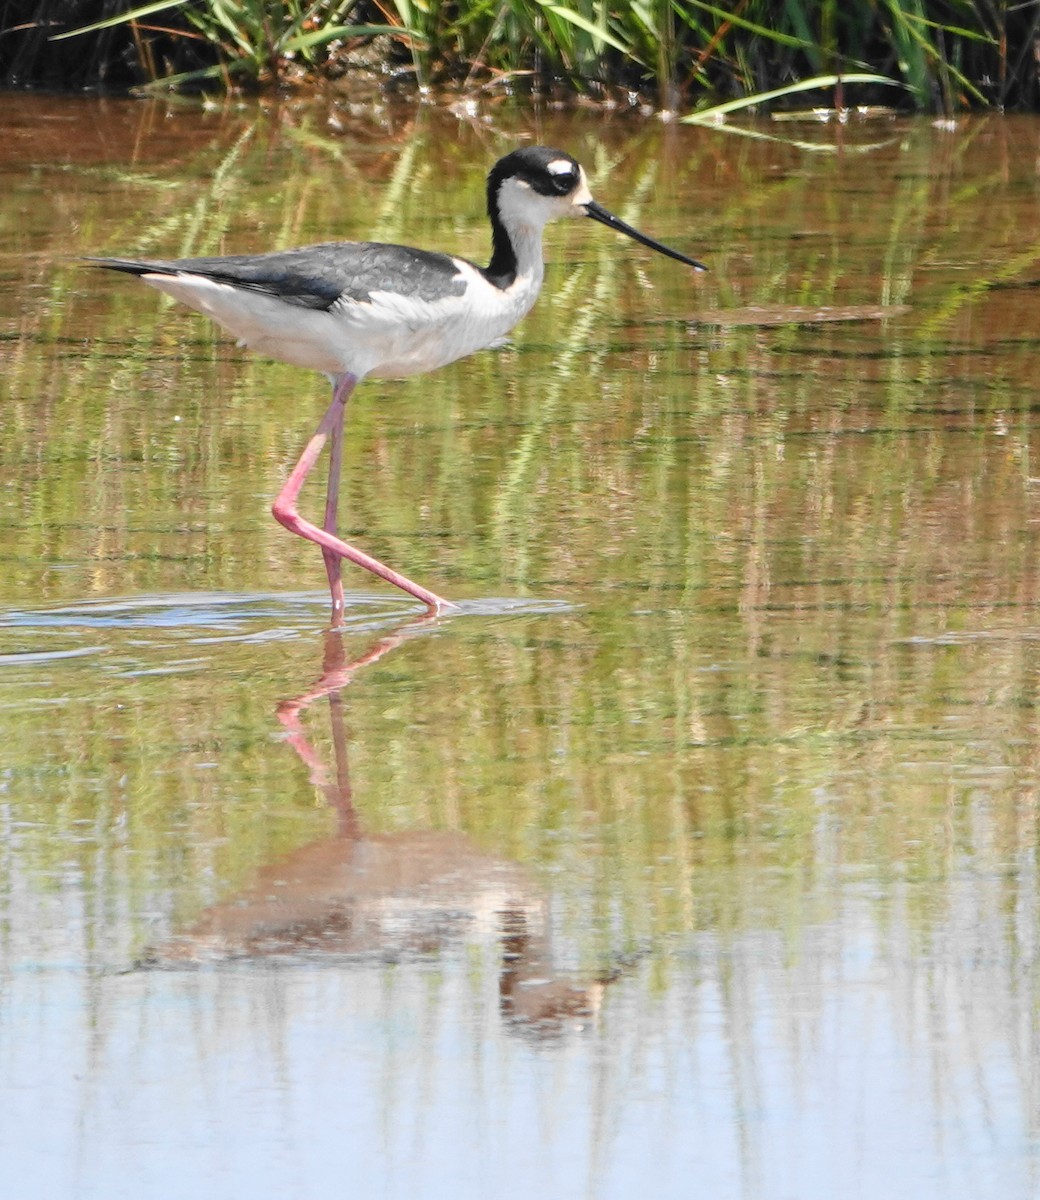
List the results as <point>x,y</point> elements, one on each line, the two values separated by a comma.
<point>560,166</point>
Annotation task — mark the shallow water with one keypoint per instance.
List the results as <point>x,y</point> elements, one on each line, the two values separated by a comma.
<point>696,854</point>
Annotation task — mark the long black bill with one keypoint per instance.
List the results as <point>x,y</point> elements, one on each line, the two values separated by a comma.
<point>598,213</point>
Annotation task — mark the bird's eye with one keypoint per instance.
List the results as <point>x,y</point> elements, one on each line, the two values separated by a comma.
<point>562,177</point>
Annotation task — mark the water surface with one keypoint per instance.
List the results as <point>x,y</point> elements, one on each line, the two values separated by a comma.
<point>697,853</point>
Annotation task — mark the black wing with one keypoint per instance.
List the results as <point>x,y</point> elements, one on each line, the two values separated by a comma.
<point>318,276</point>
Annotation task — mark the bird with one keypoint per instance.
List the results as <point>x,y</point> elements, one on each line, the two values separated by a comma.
<point>357,310</point>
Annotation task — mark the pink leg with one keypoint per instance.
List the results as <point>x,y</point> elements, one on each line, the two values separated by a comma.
<point>284,510</point>
<point>333,562</point>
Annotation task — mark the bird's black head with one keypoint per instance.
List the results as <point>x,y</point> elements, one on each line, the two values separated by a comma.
<point>525,190</point>
<point>535,185</point>
<point>545,171</point>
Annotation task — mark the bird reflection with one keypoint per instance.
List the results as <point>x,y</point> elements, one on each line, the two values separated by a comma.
<point>388,895</point>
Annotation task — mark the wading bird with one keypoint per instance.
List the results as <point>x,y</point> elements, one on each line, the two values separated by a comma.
<point>357,309</point>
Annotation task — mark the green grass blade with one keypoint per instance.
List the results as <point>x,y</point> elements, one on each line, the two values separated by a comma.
<point>145,11</point>
<point>971,35</point>
<point>708,115</point>
<point>318,37</point>
<point>763,31</point>
<point>584,24</point>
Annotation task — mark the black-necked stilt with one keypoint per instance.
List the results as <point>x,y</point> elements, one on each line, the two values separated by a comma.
<point>351,309</point>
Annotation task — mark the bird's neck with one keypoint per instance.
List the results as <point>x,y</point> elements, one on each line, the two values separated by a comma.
<point>516,253</point>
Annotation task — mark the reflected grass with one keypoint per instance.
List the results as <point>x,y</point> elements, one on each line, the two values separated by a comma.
<point>656,789</point>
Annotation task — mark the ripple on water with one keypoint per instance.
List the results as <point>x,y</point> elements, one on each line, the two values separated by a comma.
<point>138,633</point>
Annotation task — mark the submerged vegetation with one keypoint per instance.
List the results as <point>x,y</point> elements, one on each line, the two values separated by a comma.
<point>684,55</point>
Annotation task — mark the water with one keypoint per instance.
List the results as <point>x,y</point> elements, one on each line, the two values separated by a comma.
<point>697,853</point>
